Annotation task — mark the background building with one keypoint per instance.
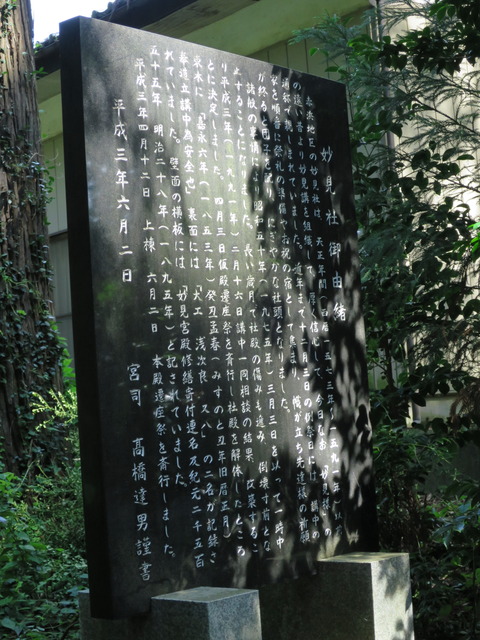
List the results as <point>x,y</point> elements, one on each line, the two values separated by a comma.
<point>259,29</point>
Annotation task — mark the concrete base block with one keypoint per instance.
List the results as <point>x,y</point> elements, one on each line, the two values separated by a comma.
<point>205,613</point>
<point>368,596</point>
<point>208,613</point>
<point>359,596</point>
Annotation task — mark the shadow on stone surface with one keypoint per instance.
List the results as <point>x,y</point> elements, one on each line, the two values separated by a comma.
<point>219,339</point>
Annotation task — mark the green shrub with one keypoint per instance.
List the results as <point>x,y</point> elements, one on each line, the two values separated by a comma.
<point>39,583</point>
<point>57,503</point>
<point>42,564</point>
<point>428,509</point>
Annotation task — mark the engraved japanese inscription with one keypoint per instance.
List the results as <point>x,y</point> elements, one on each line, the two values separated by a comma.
<point>221,376</point>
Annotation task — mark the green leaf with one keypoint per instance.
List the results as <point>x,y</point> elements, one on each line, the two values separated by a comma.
<point>421,180</point>
<point>419,399</point>
<point>460,526</point>
<point>420,158</point>
<point>472,306</point>
<point>443,387</point>
<point>449,153</point>
<point>451,10</point>
<point>8,623</point>
<point>21,535</point>
<point>390,177</point>
<point>397,129</point>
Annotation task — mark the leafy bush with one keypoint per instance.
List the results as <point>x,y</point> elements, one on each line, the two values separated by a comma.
<point>39,583</point>
<point>42,556</point>
<point>428,509</point>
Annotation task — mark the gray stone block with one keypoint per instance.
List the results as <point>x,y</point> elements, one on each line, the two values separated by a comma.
<point>208,613</point>
<point>358,596</point>
<point>367,596</point>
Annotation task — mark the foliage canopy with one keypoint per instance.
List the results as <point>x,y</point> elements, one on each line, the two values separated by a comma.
<point>414,104</point>
<point>417,180</point>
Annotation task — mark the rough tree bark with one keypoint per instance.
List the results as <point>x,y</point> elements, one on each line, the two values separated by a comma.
<point>30,353</point>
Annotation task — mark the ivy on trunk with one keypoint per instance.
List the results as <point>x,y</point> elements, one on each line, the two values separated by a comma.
<point>30,351</point>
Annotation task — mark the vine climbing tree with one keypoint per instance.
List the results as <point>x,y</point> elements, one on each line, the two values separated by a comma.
<point>30,352</point>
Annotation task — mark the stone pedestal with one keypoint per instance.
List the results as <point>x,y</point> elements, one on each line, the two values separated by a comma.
<point>205,613</point>
<point>208,613</point>
<point>367,596</point>
<point>358,596</point>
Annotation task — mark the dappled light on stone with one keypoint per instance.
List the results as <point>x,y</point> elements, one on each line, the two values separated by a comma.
<point>219,339</point>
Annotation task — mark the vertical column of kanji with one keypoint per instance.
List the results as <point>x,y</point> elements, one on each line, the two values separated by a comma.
<point>217,344</point>
<point>277,148</point>
<point>151,156</point>
<point>189,93</point>
<point>262,98</point>
<point>247,327</point>
<point>309,195</point>
<point>242,230</point>
<point>258,487</point>
<point>332,498</point>
<point>285,207</point>
<point>126,251</point>
<point>293,366</point>
<point>239,418</point>
<point>319,332</point>
<point>220,342</point>
<point>193,372</point>
<point>219,97</point>
<point>277,311</point>
<point>173,316</point>
<point>136,375</point>
<point>232,308</point>
<point>312,240</point>
<point>318,328</point>
<point>187,437</point>
<point>298,340</point>
<point>242,453</point>
<point>260,300</point>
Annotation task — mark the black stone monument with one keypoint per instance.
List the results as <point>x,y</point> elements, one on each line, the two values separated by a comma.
<point>216,306</point>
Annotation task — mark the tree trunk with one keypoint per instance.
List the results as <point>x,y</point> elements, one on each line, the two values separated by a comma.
<point>29,349</point>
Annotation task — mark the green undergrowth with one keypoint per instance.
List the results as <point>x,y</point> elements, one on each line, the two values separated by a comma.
<point>42,565</point>
<point>431,510</point>
<point>42,556</point>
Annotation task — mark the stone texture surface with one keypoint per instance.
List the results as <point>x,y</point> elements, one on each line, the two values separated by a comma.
<point>208,613</point>
<point>358,596</point>
<point>369,595</point>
